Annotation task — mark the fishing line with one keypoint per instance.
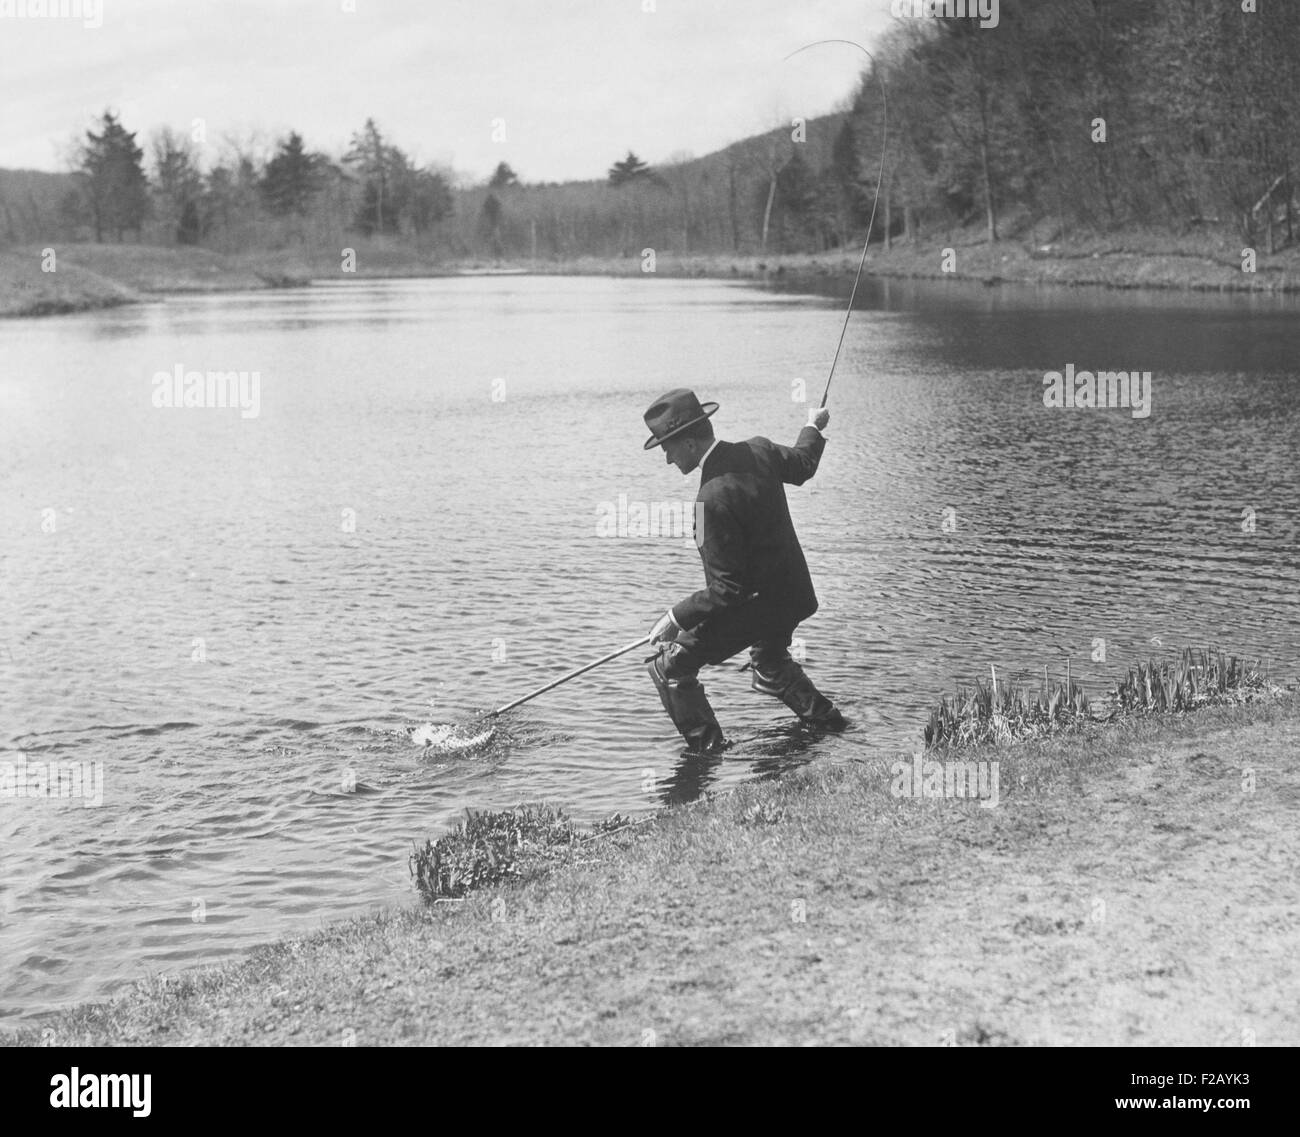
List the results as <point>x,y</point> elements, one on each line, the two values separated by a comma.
<point>884,149</point>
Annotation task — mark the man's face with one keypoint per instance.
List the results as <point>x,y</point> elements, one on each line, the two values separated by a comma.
<point>681,452</point>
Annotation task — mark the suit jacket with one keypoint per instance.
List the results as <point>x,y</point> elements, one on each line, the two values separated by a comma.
<point>743,529</point>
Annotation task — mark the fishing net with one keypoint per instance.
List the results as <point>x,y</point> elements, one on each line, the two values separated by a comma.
<point>453,738</point>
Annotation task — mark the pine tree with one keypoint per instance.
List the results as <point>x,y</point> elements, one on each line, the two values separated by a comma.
<point>115,182</point>
<point>291,178</point>
<point>503,177</point>
<point>631,169</point>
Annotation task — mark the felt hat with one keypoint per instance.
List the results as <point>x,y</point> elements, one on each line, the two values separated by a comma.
<point>674,412</point>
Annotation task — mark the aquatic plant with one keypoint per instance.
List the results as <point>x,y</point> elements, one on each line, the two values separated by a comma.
<point>1197,677</point>
<point>993,713</point>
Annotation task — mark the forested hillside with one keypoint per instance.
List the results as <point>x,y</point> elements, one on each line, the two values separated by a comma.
<point>1071,117</point>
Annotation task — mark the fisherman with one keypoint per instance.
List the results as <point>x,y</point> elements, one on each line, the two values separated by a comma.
<point>757,587</point>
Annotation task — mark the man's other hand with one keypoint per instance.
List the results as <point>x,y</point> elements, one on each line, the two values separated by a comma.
<point>665,629</point>
<point>819,417</point>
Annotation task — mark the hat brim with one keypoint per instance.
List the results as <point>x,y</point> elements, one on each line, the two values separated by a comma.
<point>709,410</point>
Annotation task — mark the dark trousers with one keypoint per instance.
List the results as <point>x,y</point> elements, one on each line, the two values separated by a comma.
<point>761,628</point>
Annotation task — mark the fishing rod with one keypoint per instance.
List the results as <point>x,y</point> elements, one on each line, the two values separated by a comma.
<point>884,149</point>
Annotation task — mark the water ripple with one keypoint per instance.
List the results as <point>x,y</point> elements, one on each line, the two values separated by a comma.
<point>239,619</point>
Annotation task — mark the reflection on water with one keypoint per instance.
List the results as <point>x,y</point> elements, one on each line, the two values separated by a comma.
<point>240,617</point>
<point>776,750</point>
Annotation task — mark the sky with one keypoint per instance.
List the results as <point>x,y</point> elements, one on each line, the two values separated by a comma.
<point>560,89</point>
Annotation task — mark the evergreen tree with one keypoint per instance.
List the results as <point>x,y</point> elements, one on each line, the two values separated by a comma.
<point>631,170</point>
<point>503,177</point>
<point>115,182</point>
<point>291,178</point>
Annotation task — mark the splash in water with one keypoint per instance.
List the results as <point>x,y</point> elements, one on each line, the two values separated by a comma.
<point>451,738</point>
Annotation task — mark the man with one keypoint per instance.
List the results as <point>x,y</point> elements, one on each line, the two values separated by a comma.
<point>757,587</point>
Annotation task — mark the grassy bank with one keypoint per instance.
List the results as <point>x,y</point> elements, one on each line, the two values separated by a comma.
<point>1132,260</point>
<point>27,291</point>
<point>97,276</point>
<point>1134,885</point>
<point>86,277</point>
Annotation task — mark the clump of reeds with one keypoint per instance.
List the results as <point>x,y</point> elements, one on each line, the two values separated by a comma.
<point>996,712</point>
<point>1197,677</point>
<point>486,849</point>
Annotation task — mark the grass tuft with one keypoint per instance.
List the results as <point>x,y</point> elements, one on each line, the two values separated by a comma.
<point>1197,678</point>
<point>488,849</point>
<point>996,714</point>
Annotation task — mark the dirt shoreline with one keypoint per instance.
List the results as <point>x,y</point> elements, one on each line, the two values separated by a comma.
<point>1135,886</point>
<point>89,277</point>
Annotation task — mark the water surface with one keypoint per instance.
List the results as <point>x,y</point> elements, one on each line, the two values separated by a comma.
<point>237,616</point>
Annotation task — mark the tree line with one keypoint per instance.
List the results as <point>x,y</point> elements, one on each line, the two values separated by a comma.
<point>293,196</point>
<point>1071,117</point>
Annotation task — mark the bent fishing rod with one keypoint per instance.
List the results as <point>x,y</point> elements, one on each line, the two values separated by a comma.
<point>880,177</point>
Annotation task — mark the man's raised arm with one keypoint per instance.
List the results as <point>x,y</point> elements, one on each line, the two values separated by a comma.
<point>799,462</point>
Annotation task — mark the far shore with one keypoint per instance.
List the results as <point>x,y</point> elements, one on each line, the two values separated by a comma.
<point>1133,886</point>
<point>88,277</point>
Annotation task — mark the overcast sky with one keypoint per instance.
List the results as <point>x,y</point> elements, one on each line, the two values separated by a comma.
<point>577,82</point>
